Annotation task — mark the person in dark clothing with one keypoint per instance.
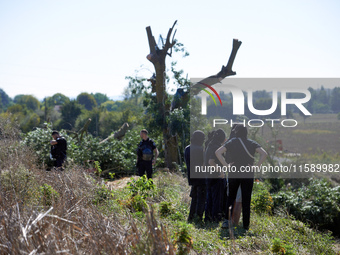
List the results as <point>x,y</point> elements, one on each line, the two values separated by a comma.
<point>210,136</point>
<point>216,182</point>
<point>237,207</point>
<point>198,189</point>
<point>145,154</point>
<point>242,152</point>
<point>58,149</point>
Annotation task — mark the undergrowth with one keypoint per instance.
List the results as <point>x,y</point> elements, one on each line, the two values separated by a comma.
<point>74,212</point>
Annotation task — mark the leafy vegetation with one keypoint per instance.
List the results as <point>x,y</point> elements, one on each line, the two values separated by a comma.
<point>76,211</point>
<point>317,202</point>
<point>81,214</point>
<point>116,156</point>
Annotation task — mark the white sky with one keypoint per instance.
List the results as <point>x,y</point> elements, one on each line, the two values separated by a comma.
<point>77,46</point>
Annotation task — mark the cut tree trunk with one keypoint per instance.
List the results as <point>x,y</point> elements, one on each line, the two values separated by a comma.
<point>157,58</point>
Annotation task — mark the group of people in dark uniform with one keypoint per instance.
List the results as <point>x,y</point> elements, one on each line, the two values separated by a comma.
<point>214,193</point>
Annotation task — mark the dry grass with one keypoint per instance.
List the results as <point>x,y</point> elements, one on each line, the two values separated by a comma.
<point>62,218</point>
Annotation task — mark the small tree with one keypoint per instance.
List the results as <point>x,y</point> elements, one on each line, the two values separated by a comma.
<point>87,100</point>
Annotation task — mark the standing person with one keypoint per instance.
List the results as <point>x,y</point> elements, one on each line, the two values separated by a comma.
<point>215,181</point>
<point>58,149</point>
<point>145,154</point>
<point>198,189</point>
<point>237,206</point>
<point>242,152</point>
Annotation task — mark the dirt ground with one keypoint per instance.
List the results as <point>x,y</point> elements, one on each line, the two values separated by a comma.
<point>119,183</point>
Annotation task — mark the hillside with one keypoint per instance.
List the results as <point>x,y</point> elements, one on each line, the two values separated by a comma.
<point>76,213</point>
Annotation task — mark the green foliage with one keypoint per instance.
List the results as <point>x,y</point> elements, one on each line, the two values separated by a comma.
<point>29,101</point>
<point>281,247</point>
<point>97,167</point>
<point>261,201</point>
<point>48,195</point>
<point>101,195</point>
<point>118,156</point>
<point>108,122</point>
<point>142,187</point>
<point>39,141</point>
<point>183,241</point>
<point>27,118</point>
<point>57,99</point>
<point>5,100</point>
<point>87,100</point>
<point>166,209</point>
<point>317,202</point>
<point>110,105</point>
<point>137,203</point>
<point>93,127</point>
<point>69,114</point>
<point>100,98</point>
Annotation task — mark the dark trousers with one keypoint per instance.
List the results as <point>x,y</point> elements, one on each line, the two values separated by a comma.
<point>59,161</point>
<point>246,189</point>
<point>145,166</point>
<point>197,194</point>
<point>214,204</point>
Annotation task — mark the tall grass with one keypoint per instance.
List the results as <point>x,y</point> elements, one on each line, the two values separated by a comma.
<point>54,212</point>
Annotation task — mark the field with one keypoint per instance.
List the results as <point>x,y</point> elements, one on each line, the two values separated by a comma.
<point>317,134</point>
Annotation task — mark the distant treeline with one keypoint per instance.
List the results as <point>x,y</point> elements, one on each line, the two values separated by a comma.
<point>322,101</point>
<point>70,114</point>
<point>108,115</point>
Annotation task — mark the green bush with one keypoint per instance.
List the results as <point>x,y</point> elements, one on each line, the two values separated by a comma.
<point>117,156</point>
<point>101,194</point>
<point>138,203</point>
<point>316,202</point>
<point>142,186</point>
<point>165,209</point>
<point>48,195</point>
<point>281,247</point>
<point>261,201</point>
<point>183,241</point>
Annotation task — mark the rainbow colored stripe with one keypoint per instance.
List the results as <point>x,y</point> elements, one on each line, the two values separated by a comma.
<point>213,90</point>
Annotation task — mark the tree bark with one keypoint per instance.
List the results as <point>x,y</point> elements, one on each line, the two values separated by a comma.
<point>157,57</point>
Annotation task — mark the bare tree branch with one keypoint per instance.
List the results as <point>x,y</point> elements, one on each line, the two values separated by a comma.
<point>225,71</point>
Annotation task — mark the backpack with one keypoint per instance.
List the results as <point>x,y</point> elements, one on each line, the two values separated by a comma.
<point>146,150</point>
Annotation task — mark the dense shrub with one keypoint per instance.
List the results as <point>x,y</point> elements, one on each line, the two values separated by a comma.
<point>118,156</point>
<point>316,202</point>
<point>261,201</point>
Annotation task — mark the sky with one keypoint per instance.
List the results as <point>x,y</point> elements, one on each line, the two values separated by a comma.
<point>70,47</point>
